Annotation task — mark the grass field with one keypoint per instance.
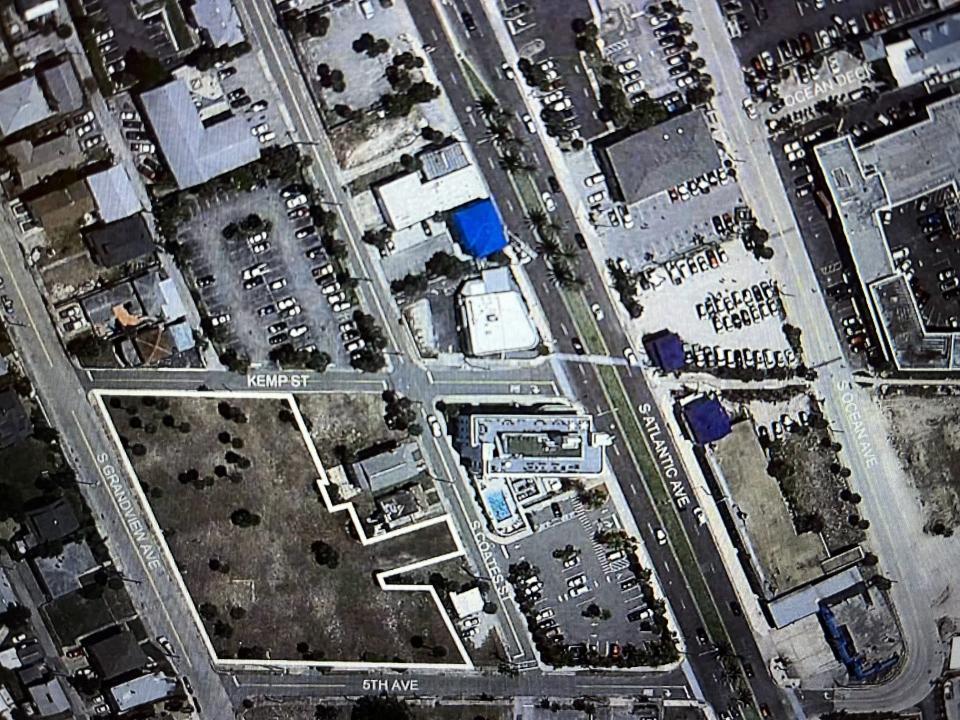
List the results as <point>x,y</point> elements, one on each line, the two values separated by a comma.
<point>199,467</point>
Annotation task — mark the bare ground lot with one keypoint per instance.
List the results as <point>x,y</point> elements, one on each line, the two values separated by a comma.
<point>292,606</point>
<point>927,440</point>
<point>353,422</point>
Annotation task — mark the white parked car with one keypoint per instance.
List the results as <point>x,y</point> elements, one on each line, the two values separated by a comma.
<point>631,357</point>
<point>529,123</point>
<point>298,331</point>
<point>597,311</point>
<point>661,536</point>
<point>593,180</point>
<point>435,428</point>
<point>296,201</point>
<point>218,320</point>
<point>548,201</point>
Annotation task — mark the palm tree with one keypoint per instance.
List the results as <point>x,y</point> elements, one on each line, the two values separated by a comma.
<point>500,133</point>
<point>550,246</point>
<point>537,217</point>
<point>512,162</point>
<point>564,276</point>
<point>488,105</point>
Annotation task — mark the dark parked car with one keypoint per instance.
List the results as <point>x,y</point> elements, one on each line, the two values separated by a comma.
<point>553,183</point>
<point>468,22</point>
<point>578,346</point>
<point>580,240</point>
<point>702,636</point>
<point>735,608</point>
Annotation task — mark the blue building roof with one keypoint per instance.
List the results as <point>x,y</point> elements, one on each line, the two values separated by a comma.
<point>478,228</point>
<point>666,350</point>
<point>707,420</point>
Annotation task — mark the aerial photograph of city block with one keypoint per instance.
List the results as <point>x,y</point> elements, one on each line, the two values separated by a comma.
<point>480,359</point>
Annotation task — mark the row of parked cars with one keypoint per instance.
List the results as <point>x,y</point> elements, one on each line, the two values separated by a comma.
<point>714,356</point>
<point>701,185</point>
<point>734,309</point>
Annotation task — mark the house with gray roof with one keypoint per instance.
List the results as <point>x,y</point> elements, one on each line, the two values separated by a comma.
<point>49,698</point>
<point>22,104</point>
<point>648,162</point>
<point>114,194</point>
<point>218,22</point>
<point>62,86</point>
<point>194,151</point>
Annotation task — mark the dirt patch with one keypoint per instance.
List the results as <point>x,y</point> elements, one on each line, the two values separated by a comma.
<point>927,441</point>
<point>257,576</point>
<point>345,424</point>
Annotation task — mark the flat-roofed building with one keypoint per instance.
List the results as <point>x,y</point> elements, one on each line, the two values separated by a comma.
<point>867,181</point>
<point>517,445</point>
<point>447,181</point>
<point>496,319</point>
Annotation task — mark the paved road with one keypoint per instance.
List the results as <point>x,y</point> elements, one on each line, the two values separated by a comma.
<point>453,685</point>
<point>86,443</point>
<point>585,382</point>
<point>878,480</point>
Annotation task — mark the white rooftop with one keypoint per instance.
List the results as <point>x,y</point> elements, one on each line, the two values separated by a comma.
<point>408,200</point>
<point>495,315</point>
<point>467,603</point>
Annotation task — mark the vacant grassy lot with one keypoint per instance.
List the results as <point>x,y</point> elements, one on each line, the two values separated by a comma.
<point>345,423</point>
<point>786,558</point>
<point>927,440</point>
<point>812,480</point>
<point>257,576</point>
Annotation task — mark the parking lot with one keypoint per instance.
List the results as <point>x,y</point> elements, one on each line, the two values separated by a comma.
<point>583,590</point>
<point>252,96</point>
<point>733,309</point>
<point>924,247</point>
<point>768,22</point>
<point>545,32</point>
<point>259,288</point>
<point>364,79</point>
<point>630,37</point>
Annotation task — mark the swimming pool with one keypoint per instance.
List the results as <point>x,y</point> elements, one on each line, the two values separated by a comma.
<point>498,504</point>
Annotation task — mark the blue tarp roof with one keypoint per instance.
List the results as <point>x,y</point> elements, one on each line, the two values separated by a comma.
<point>666,350</point>
<point>707,420</point>
<point>478,228</point>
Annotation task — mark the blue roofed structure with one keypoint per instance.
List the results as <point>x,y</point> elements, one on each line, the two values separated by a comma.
<point>478,228</point>
<point>665,348</point>
<point>706,419</point>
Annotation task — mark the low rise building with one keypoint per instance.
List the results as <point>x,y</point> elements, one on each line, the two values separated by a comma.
<point>542,444</point>
<point>117,655</point>
<point>22,105</point>
<point>121,241</point>
<point>496,320</point>
<point>928,51</point>
<point>49,698</point>
<point>142,690</point>
<point>446,181</point>
<point>866,183</point>
<point>648,162</point>
<point>38,160</point>
<point>114,194</point>
<point>196,152</point>
<point>218,22</point>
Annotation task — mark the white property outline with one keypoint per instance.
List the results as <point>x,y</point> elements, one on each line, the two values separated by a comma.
<point>97,396</point>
